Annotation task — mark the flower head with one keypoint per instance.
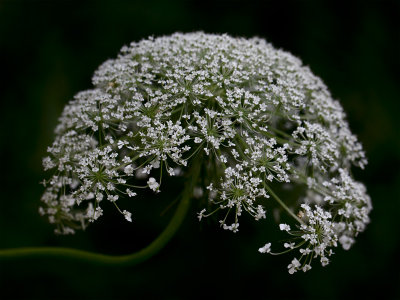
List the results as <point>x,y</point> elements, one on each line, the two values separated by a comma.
<point>253,116</point>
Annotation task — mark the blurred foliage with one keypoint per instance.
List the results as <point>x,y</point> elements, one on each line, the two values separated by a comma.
<point>49,51</point>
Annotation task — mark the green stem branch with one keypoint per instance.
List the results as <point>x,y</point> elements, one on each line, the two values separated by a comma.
<point>284,206</point>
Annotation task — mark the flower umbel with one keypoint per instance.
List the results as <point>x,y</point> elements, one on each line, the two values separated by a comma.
<point>259,118</point>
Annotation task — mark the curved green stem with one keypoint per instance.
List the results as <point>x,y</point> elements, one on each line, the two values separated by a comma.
<point>103,259</point>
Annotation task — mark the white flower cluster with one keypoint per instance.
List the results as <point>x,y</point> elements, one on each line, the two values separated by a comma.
<point>253,116</point>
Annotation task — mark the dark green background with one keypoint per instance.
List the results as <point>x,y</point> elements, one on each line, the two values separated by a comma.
<point>49,50</point>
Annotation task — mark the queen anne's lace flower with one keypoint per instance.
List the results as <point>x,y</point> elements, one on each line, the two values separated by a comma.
<point>258,118</point>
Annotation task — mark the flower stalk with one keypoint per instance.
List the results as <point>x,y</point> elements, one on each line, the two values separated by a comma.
<point>122,260</point>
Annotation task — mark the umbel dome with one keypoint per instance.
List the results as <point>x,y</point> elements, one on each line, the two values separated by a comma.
<point>249,116</point>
